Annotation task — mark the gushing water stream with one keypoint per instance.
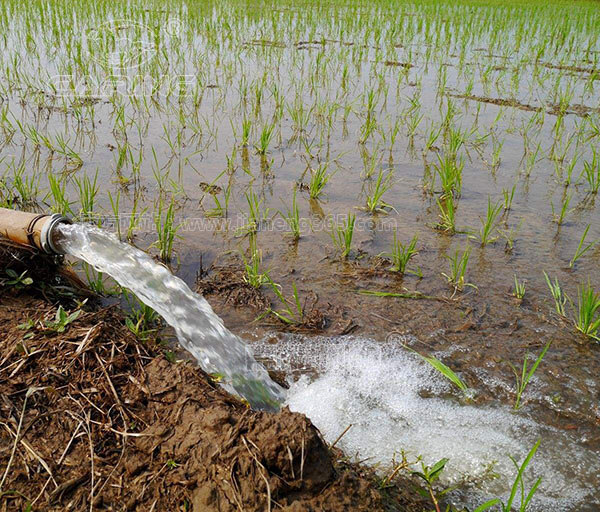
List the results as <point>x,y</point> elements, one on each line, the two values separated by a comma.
<point>199,330</point>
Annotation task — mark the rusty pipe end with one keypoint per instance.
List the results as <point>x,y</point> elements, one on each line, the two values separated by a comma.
<point>47,233</point>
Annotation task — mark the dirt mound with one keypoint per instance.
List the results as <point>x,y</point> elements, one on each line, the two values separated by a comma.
<point>91,417</point>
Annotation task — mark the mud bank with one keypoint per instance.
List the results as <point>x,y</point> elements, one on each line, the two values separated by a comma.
<point>93,418</point>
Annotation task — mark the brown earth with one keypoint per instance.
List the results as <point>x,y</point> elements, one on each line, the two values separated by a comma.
<point>94,418</point>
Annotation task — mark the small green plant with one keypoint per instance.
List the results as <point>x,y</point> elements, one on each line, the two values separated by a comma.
<point>292,217</point>
<point>519,289</point>
<point>318,179</point>
<point>591,173</point>
<point>429,474</point>
<point>588,309</point>
<point>524,376</point>
<point>581,248</point>
<point>560,299</point>
<point>266,135</point>
<point>18,281</point>
<point>447,214</point>
<point>559,217</point>
<point>166,229</point>
<point>382,184</point>
<point>62,320</point>
<point>445,371</point>
<point>489,224</point>
<point>252,265</point>
<point>508,196</point>
<point>458,268</point>
<point>292,312</point>
<point>342,234</point>
<point>142,320</point>
<point>518,484</point>
<point>401,254</point>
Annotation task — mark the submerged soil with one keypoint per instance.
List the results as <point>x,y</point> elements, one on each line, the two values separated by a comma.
<point>93,418</point>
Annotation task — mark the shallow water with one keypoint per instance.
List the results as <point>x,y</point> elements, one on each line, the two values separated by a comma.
<point>394,401</point>
<point>199,330</point>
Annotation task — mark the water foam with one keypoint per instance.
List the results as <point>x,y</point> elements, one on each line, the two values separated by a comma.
<point>394,402</point>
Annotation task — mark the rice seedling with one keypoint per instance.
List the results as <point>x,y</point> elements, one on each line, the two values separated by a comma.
<point>445,371</point>
<point>319,177</point>
<point>523,377</point>
<point>591,173</point>
<point>292,312</point>
<point>254,275</point>
<point>450,172</point>
<point>508,196</point>
<point>519,289</point>
<point>256,214</point>
<point>401,254</point>
<point>114,204</point>
<point>560,299</point>
<point>518,484</point>
<point>559,217</point>
<point>458,268</point>
<point>375,203</point>
<point>489,224</point>
<point>582,247</point>
<point>166,229</point>
<point>447,214</point>
<point>292,217</point>
<point>587,320</point>
<point>88,190</point>
<point>266,136</point>
<point>58,194</point>
<point>342,234</point>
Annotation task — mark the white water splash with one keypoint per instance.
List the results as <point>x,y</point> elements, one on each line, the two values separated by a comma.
<point>392,399</point>
<point>199,330</point>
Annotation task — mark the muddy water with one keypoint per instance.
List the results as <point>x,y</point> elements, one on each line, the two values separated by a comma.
<point>232,52</point>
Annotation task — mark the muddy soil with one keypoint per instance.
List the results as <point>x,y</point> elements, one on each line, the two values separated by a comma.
<point>93,418</point>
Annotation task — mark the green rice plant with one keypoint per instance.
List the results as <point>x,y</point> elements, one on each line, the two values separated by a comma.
<point>256,215</point>
<point>292,312</point>
<point>591,173</point>
<point>489,224</point>
<point>508,196</point>
<point>449,172</point>
<point>582,248</point>
<point>447,214</point>
<point>342,234</point>
<point>524,376</point>
<point>518,484</point>
<point>166,229</point>
<point>458,268</point>
<point>59,195</point>
<point>444,371</point>
<point>26,187</point>
<point>401,254</point>
<point>88,190</point>
<point>382,184</point>
<point>246,127</point>
<point>560,299</point>
<point>292,217</point>
<point>252,265</point>
<point>318,179</point>
<point>564,209</point>
<point>114,204</point>
<point>266,136</point>
<point>519,289</point>
<point>588,311</point>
